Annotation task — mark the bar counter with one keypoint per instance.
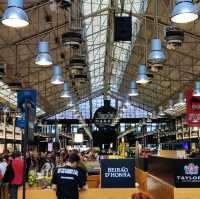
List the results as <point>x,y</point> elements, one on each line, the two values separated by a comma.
<point>89,194</point>
<point>173,178</point>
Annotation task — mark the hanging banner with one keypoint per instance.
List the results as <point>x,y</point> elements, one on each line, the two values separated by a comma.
<point>31,96</point>
<point>104,116</point>
<point>193,109</point>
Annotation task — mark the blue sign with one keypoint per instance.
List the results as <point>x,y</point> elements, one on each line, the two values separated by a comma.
<point>31,97</point>
<point>21,123</point>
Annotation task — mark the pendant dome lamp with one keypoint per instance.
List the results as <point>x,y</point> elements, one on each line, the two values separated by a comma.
<point>14,16</point>
<point>126,101</point>
<point>156,55</point>
<point>170,105</point>
<point>161,112</point>
<point>184,12</point>
<point>181,100</point>
<point>197,89</point>
<point>43,58</point>
<point>57,77</point>
<point>66,90</point>
<point>142,77</point>
<point>133,89</point>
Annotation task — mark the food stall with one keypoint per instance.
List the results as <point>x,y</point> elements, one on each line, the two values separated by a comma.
<point>170,177</point>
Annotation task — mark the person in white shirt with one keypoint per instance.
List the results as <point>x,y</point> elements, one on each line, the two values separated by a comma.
<point>3,166</point>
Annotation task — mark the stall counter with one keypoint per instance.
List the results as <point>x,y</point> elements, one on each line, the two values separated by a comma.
<point>172,178</point>
<point>89,194</point>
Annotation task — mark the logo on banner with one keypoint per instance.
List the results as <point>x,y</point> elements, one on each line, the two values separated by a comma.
<point>191,174</point>
<point>191,169</point>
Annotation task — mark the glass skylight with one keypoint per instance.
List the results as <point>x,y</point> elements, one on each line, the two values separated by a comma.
<point>122,50</point>
<point>95,33</point>
<point>96,21</point>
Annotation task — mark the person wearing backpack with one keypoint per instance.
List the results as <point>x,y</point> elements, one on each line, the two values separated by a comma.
<point>18,170</point>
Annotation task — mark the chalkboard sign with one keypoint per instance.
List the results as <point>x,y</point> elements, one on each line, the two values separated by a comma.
<point>117,173</point>
<point>187,173</point>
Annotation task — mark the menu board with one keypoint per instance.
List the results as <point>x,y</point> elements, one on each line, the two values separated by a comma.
<point>117,173</point>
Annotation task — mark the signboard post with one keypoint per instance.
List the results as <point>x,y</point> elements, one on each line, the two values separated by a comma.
<point>117,173</point>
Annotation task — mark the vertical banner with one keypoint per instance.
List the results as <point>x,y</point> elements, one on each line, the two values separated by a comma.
<point>193,109</point>
<point>31,97</point>
<point>117,173</point>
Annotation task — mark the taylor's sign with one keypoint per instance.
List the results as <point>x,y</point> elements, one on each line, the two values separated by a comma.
<point>187,173</point>
<point>117,173</point>
<point>193,109</point>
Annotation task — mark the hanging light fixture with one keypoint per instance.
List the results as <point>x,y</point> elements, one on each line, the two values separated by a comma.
<point>43,58</point>
<point>153,115</point>
<point>161,113</point>
<point>126,101</point>
<point>14,16</point>
<point>170,105</point>
<point>142,77</point>
<point>181,100</point>
<point>197,89</point>
<point>66,91</point>
<point>57,77</point>
<point>133,89</point>
<point>156,55</point>
<point>184,11</point>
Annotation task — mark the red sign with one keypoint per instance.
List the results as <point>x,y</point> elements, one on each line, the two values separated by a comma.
<point>193,109</point>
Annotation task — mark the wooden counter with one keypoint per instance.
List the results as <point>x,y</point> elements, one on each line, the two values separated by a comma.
<point>159,189</point>
<point>90,194</point>
<point>141,178</point>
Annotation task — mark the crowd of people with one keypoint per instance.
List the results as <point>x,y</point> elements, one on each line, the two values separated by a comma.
<point>46,164</point>
<point>66,169</point>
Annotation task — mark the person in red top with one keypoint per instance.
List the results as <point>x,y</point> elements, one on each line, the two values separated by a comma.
<point>18,168</point>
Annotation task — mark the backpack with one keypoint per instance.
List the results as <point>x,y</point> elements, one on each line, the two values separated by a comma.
<point>9,174</point>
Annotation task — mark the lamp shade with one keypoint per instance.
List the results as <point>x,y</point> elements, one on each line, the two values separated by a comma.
<point>170,105</point>
<point>156,55</point>
<point>161,113</point>
<point>66,91</point>
<point>181,100</point>
<point>142,77</point>
<point>133,89</point>
<point>14,16</point>
<point>43,58</point>
<point>126,101</point>
<point>197,89</point>
<point>184,11</point>
<point>57,77</point>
